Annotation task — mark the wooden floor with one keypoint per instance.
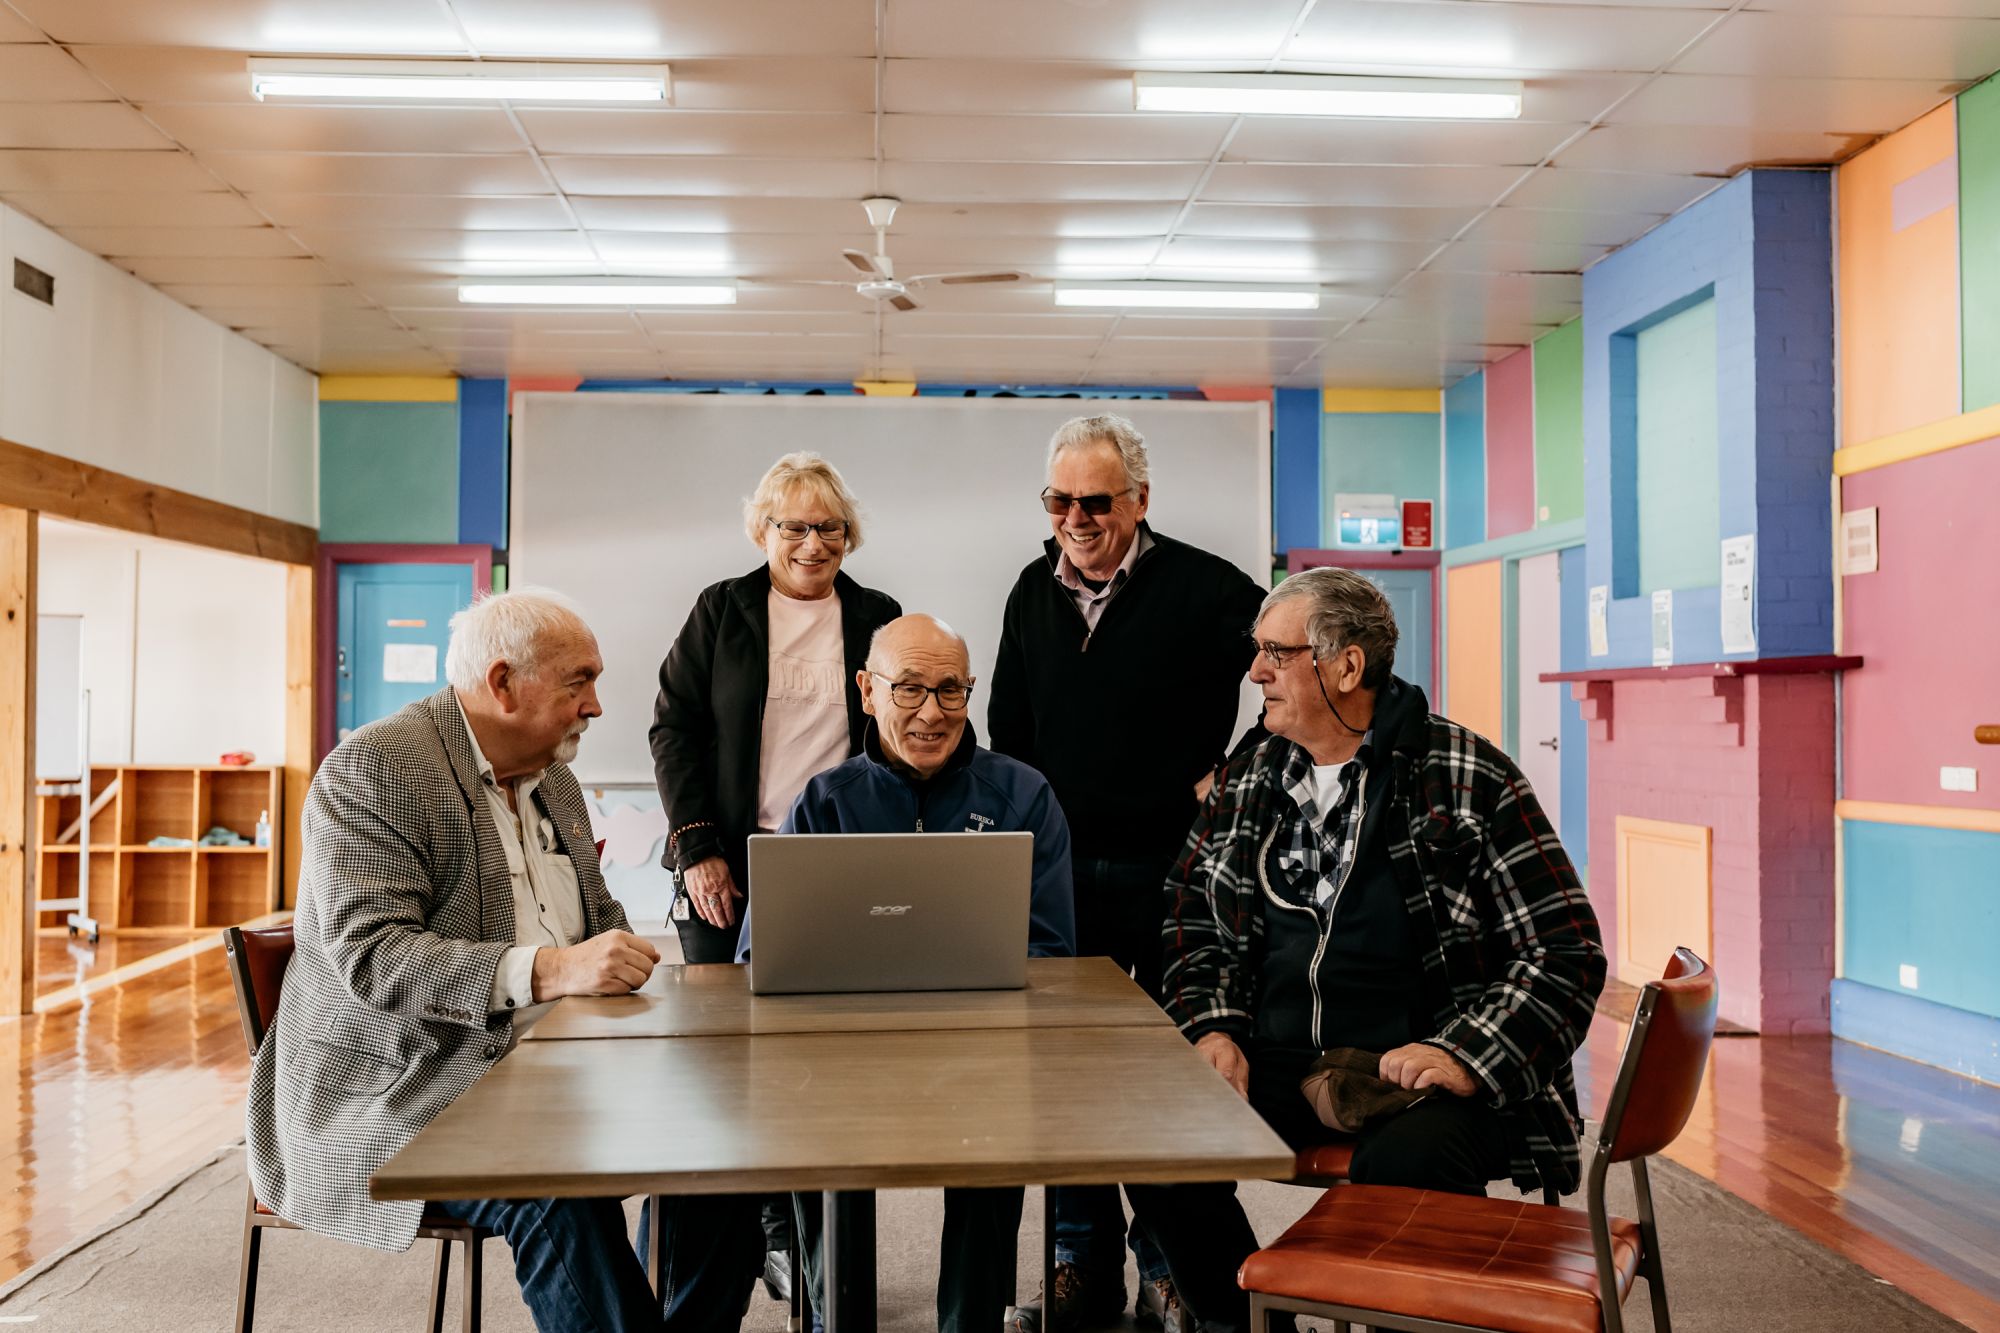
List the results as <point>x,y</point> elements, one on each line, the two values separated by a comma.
<point>63,960</point>
<point>1893,1164</point>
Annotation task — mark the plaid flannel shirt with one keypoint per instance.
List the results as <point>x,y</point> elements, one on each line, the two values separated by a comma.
<point>1318,845</point>
<point>1516,946</point>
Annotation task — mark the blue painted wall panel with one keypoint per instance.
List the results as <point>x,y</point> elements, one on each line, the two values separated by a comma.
<point>1393,453</point>
<point>482,462</point>
<point>1929,898</point>
<point>1575,733</point>
<point>1295,463</point>
<point>1465,462</point>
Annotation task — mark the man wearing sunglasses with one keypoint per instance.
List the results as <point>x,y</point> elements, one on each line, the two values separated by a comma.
<point>922,770</point>
<point>1118,676</point>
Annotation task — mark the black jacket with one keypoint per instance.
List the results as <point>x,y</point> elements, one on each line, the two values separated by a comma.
<point>708,723</point>
<point>1125,720</point>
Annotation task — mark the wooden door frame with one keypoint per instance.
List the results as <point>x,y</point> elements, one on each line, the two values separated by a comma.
<point>34,482</point>
<point>332,555</point>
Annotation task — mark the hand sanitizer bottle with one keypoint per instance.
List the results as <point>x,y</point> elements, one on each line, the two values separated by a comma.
<point>264,828</point>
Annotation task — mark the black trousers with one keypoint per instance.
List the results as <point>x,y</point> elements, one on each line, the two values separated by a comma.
<point>703,943</point>
<point>1451,1144</point>
<point>978,1251</point>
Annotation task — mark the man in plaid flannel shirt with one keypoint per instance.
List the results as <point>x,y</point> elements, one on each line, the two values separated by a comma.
<point>1378,878</point>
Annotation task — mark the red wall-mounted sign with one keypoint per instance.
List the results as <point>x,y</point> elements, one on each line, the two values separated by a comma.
<point>1417,524</point>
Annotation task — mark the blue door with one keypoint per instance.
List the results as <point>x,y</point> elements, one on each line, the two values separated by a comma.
<point>393,624</point>
<point>1410,592</point>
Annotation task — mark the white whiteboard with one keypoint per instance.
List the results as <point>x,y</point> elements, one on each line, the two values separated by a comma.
<point>631,503</point>
<point>58,711</point>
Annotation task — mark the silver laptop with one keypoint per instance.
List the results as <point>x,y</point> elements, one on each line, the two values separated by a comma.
<point>889,911</point>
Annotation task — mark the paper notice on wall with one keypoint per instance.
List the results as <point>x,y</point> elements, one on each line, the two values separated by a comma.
<point>1860,549</point>
<point>1600,630</point>
<point>410,663</point>
<point>1663,627</point>
<point>1739,574</point>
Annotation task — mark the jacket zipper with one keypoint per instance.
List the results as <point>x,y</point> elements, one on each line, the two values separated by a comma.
<point>1326,927</point>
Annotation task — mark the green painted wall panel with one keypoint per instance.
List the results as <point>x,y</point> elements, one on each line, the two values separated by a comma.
<point>1679,468</point>
<point>388,472</point>
<point>1979,243</point>
<point>1559,425</point>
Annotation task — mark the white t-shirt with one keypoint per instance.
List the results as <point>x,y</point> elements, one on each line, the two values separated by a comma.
<point>805,704</point>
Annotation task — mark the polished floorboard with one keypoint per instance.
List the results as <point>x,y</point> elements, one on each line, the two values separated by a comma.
<point>63,960</point>
<point>1893,1164</point>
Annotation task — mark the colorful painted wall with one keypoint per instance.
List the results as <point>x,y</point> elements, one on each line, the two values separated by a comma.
<point>1920,324</point>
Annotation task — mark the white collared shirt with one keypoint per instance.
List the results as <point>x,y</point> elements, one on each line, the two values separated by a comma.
<point>548,904</point>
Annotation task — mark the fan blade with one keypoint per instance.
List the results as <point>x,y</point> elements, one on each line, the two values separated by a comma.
<point>902,303</point>
<point>862,262</point>
<point>954,279</point>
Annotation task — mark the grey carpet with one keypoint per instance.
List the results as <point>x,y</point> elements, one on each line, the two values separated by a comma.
<point>172,1266</point>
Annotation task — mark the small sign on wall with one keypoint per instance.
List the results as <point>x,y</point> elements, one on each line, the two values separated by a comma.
<point>1366,520</point>
<point>1860,549</point>
<point>1663,627</point>
<point>1739,572</point>
<point>1417,524</point>
<point>1600,629</point>
<point>410,663</point>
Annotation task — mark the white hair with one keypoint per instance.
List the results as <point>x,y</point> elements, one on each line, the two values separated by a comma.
<point>514,627</point>
<point>1109,429</point>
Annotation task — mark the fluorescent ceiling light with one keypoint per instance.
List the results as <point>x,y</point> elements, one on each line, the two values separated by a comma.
<point>1328,95</point>
<point>600,291</point>
<point>1188,295</point>
<point>458,81</point>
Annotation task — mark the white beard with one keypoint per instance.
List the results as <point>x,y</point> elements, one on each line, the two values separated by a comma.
<point>566,752</point>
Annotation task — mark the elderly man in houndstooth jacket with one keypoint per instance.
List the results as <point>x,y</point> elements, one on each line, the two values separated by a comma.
<point>449,891</point>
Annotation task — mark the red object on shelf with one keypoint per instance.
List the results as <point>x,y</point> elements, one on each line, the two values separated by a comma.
<point>1417,523</point>
<point>238,759</point>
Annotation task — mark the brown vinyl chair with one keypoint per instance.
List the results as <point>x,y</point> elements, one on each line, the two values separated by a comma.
<point>1426,1262</point>
<point>257,963</point>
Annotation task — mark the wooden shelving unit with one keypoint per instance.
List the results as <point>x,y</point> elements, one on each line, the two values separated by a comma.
<point>138,887</point>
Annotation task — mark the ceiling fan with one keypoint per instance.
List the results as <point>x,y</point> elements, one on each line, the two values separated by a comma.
<point>881,282</point>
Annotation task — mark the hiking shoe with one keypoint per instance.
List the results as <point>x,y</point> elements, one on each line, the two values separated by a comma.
<point>1159,1306</point>
<point>1081,1300</point>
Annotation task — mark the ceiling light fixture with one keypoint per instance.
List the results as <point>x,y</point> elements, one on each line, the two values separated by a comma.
<point>1328,95</point>
<point>458,81</point>
<point>598,291</point>
<point>1187,295</point>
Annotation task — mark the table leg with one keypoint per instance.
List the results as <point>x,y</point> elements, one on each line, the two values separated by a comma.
<point>850,1260</point>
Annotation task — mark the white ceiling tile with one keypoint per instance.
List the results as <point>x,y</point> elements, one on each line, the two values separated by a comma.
<point>821,82</point>
<point>185,242</point>
<point>699,133</point>
<point>28,170</point>
<point>14,28</point>
<point>764,177</point>
<point>117,208</point>
<point>1052,138</point>
<point>1441,142</point>
<point>1820,45</point>
<point>377,173</point>
<point>1830,106</point>
<point>232,296</point>
<point>1611,191</point>
<point>959,324</point>
<point>298,27</point>
<point>1720,150</point>
<point>1492,39</point>
<point>1162,30</point>
<point>1555,226</point>
<point>1434,187</point>
<point>76,125</point>
<point>269,127</point>
<point>1019,182</point>
<point>933,254</point>
<point>1328,223</point>
<point>1070,220</point>
<point>442,212</point>
<point>705,252</point>
<point>156,75</point>
<point>667,29</point>
<point>1328,259</point>
<point>301,272</point>
<point>719,215</point>
<point>735,323</point>
<point>999,87</point>
<point>46,74</point>
<point>372,248</point>
<point>1978,9</point>
<point>1524,256</point>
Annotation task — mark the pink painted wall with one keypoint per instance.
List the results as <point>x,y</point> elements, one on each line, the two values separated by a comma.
<point>1926,626</point>
<point>1510,445</point>
<point>1752,759</point>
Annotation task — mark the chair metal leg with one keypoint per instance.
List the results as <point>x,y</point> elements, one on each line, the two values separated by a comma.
<point>246,1276</point>
<point>440,1275</point>
<point>1649,1251</point>
<point>474,1291</point>
<point>796,1321</point>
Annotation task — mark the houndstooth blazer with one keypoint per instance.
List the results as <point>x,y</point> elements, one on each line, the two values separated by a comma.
<point>405,908</point>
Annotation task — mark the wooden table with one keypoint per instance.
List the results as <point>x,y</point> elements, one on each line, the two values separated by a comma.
<point>714,1000</point>
<point>847,1105</point>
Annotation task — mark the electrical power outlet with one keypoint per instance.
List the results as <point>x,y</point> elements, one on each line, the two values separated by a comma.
<point>1958,779</point>
<point>1906,976</point>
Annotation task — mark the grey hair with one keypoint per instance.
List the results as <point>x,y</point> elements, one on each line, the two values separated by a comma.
<point>1343,608</point>
<point>876,638</point>
<point>512,627</point>
<point>808,472</point>
<point>1113,430</point>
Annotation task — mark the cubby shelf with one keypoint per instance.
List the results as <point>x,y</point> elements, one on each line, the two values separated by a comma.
<point>138,887</point>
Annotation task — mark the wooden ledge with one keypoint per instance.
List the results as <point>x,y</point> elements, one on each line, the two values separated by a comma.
<point>1762,666</point>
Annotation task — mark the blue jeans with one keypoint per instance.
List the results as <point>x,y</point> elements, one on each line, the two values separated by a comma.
<point>1120,907</point>
<point>711,1253</point>
<point>577,1273</point>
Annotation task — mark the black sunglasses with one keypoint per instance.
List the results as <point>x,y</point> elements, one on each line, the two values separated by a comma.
<point>1097,506</point>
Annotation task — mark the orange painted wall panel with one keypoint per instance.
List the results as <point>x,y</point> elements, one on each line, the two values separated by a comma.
<point>1898,270</point>
<point>1473,680</point>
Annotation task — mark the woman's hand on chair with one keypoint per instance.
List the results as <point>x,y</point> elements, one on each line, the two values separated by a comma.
<point>712,892</point>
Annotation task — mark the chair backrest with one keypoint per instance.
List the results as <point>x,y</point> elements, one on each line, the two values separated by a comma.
<point>257,963</point>
<point>1666,1052</point>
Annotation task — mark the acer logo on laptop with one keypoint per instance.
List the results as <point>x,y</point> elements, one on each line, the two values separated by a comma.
<point>903,910</point>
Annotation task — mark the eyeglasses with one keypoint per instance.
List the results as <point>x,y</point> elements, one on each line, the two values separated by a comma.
<point>951,696</point>
<point>1097,506</point>
<point>1277,654</point>
<point>794,530</point>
